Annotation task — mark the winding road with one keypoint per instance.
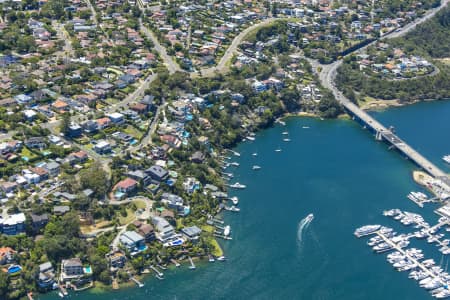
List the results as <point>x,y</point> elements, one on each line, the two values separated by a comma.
<point>171,65</point>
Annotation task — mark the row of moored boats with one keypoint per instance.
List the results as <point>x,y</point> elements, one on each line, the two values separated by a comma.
<point>429,276</point>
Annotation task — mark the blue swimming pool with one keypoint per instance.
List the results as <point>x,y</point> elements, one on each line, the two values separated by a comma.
<point>14,269</point>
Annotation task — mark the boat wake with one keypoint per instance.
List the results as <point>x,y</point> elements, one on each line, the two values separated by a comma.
<point>302,226</point>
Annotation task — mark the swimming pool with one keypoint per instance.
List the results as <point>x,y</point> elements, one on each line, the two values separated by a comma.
<point>14,269</point>
<point>177,242</point>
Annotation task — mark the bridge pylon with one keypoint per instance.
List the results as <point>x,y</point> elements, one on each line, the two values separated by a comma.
<point>378,135</point>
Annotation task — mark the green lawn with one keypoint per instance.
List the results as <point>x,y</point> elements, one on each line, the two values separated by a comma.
<point>133,132</point>
<point>27,153</point>
<point>129,218</point>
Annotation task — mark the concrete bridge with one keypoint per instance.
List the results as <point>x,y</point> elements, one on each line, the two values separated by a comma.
<point>384,134</point>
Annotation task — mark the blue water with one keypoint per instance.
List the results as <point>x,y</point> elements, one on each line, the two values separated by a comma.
<point>335,170</point>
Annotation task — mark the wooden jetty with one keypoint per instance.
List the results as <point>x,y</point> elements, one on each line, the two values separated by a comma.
<point>138,283</point>
<point>156,271</point>
<point>175,262</point>
<point>192,266</point>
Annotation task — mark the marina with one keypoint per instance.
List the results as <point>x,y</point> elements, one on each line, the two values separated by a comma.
<point>430,276</point>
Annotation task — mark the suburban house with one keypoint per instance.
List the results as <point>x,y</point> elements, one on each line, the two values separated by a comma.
<point>134,242</point>
<point>102,147</point>
<point>6,255</point>
<point>13,224</point>
<point>8,187</point>
<point>173,201</point>
<point>75,130</point>
<point>126,186</point>
<point>35,142</point>
<point>61,210</point>
<point>198,157</point>
<point>38,221</point>
<point>116,118</point>
<point>157,173</point>
<point>52,168</point>
<point>78,157</point>
<point>140,176</point>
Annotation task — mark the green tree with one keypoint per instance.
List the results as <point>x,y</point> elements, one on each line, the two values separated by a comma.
<point>95,178</point>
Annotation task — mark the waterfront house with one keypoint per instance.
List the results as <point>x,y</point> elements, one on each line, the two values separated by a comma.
<point>191,233</point>
<point>116,259</point>
<point>147,231</point>
<point>164,231</point>
<point>71,269</point>
<point>46,276</point>
<point>133,242</point>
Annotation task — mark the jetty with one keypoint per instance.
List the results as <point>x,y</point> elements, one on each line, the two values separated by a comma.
<point>138,283</point>
<point>115,284</point>
<point>192,266</point>
<point>177,264</point>
<point>156,271</point>
<point>223,236</point>
<point>63,290</point>
<point>218,221</point>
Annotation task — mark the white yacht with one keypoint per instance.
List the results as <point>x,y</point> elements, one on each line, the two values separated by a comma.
<point>446,158</point>
<point>237,185</point>
<point>235,200</point>
<point>256,167</point>
<point>286,140</point>
<point>227,230</point>
<point>366,230</point>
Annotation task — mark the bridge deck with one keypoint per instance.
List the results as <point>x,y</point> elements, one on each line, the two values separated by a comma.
<point>392,138</point>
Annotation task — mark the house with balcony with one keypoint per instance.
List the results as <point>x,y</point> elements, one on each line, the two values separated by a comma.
<point>13,224</point>
<point>133,242</point>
